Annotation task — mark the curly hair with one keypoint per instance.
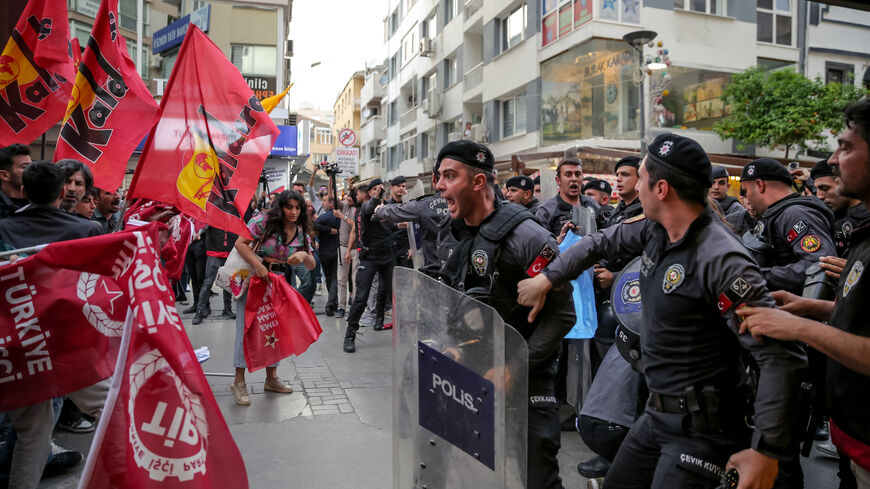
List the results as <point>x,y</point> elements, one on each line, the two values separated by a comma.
<point>275,217</point>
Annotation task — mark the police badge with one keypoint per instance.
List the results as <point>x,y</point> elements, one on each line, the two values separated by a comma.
<point>854,276</point>
<point>479,261</point>
<point>674,276</point>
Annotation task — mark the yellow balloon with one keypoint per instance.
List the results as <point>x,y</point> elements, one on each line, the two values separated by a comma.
<point>666,92</point>
<point>660,44</point>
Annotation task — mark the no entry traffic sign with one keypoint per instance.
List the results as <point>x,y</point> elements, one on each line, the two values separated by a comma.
<point>347,137</point>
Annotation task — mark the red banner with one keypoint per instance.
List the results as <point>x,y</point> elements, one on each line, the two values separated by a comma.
<point>206,153</point>
<point>110,109</point>
<point>278,323</point>
<point>36,72</point>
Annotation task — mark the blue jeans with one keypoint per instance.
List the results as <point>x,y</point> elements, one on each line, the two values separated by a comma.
<point>306,286</point>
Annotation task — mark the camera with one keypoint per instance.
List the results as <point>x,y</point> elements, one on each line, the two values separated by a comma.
<point>330,168</point>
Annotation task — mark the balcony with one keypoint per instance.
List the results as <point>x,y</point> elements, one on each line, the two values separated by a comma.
<point>472,7</point>
<point>372,92</point>
<point>372,130</point>
<point>472,83</point>
<point>408,117</point>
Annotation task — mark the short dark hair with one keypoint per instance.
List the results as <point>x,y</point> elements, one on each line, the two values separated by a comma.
<point>43,181</point>
<point>70,166</point>
<point>8,152</point>
<point>687,188</point>
<point>858,118</point>
<point>568,161</point>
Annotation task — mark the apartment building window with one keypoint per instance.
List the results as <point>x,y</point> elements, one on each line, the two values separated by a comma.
<point>429,27</point>
<point>839,73</point>
<point>324,136</point>
<point>451,72</point>
<point>393,113</point>
<point>714,7</point>
<point>774,21</point>
<point>394,21</point>
<point>408,4</point>
<point>393,68</point>
<point>513,116</point>
<point>512,28</point>
<point>451,9</point>
<point>409,45</point>
<point>409,145</point>
<point>254,60</point>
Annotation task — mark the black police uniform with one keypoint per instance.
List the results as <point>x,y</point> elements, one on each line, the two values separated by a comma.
<point>855,217</point>
<point>488,262</point>
<point>692,354</point>
<point>376,256</point>
<point>401,245</point>
<point>554,213</point>
<point>796,232</point>
<point>426,212</point>
<point>848,393</point>
<point>532,206</point>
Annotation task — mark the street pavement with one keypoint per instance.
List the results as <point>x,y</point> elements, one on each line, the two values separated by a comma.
<point>335,429</point>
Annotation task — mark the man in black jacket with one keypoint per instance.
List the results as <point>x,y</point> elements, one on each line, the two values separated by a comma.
<point>218,245</point>
<point>13,160</point>
<point>327,226</point>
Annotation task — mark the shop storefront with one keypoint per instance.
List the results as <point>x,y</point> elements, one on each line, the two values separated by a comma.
<point>694,100</point>
<point>588,92</point>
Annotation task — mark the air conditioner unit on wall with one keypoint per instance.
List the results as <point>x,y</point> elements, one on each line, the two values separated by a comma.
<point>478,133</point>
<point>426,105</point>
<point>426,47</point>
<point>434,109</point>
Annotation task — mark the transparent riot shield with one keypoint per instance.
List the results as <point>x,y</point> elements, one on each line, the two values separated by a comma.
<point>578,378</point>
<point>415,239</point>
<point>460,390</point>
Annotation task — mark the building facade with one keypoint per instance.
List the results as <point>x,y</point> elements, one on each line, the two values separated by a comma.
<point>536,77</point>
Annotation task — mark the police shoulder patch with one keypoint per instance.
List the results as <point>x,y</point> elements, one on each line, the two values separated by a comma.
<point>796,231</point>
<point>811,243</point>
<point>639,217</point>
<point>542,260</point>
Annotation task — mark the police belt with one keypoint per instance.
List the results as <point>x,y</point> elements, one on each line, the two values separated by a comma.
<point>668,404</point>
<point>709,408</point>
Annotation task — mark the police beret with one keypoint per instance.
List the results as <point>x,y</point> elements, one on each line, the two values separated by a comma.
<point>521,182</point>
<point>632,161</point>
<point>766,169</point>
<point>719,172</point>
<point>398,180</point>
<point>822,169</point>
<point>537,180</point>
<point>374,183</point>
<point>597,184</point>
<point>468,152</point>
<point>682,155</point>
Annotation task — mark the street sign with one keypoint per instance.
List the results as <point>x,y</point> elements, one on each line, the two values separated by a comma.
<point>348,160</point>
<point>347,137</point>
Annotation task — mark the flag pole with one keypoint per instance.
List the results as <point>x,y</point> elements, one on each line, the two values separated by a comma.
<point>111,399</point>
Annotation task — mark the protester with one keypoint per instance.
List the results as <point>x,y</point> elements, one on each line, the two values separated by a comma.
<point>327,226</point>
<point>13,160</point>
<point>86,206</point>
<point>195,261</point>
<point>41,222</point>
<point>78,181</point>
<point>108,209</point>
<point>283,234</point>
<point>348,256</point>
<point>218,244</point>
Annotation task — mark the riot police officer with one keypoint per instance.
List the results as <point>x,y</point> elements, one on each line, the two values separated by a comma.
<point>732,209</point>
<point>599,190</point>
<point>486,248</point>
<point>377,256</point>
<point>555,214</point>
<point>694,275</point>
<point>850,214</point>
<point>792,231</point>
<point>521,190</point>
<point>426,212</point>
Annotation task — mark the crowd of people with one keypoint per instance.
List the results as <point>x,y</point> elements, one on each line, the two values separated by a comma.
<point>740,353</point>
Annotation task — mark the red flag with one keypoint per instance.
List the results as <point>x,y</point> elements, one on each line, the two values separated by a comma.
<point>161,426</point>
<point>36,72</point>
<point>110,109</point>
<point>278,322</point>
<point>206,153</point>
<point>76,50</point>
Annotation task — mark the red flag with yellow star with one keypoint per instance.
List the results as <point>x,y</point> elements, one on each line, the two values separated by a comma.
<point>36,72</point>
<point>206,153</point>
<point>110,109</point>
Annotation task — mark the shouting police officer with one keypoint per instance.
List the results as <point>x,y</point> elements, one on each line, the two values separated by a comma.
<point>694,274</point>
<point>486,248</point>
<point>555,214</point>
<point>792,231</point>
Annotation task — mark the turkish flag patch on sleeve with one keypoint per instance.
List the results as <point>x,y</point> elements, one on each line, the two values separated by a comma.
<point>724,303</point>
<point>542,260</point>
